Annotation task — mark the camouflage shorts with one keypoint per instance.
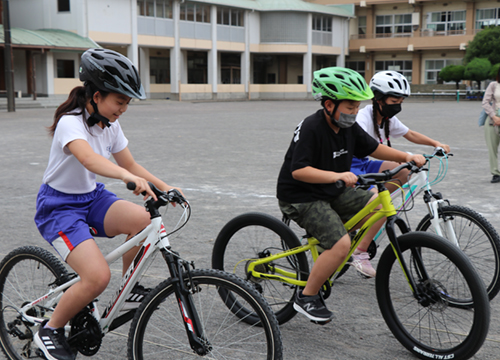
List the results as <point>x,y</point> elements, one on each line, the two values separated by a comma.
<point>325,219</point>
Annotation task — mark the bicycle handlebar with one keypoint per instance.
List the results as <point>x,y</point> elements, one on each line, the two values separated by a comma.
<point>374,178</point>
<point>164,198</point>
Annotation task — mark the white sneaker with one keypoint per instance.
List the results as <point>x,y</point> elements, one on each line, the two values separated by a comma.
<point>361,262</point>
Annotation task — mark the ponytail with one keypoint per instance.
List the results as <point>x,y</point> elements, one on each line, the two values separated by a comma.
<point>77,99</point>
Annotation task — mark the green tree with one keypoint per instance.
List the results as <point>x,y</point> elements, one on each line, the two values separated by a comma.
<point>452,73</point>
<point>494,71</point>
<point>477,70</point>
<point>486,44</point>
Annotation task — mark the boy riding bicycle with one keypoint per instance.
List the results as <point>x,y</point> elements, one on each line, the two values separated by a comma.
<point>319,155</point>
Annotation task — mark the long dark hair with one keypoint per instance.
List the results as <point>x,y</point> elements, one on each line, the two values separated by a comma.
<point>385,121</point>
<point>77,99</point>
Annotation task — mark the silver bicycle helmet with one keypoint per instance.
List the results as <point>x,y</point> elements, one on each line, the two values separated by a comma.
<point>389,83</point>
<point>112,72</point>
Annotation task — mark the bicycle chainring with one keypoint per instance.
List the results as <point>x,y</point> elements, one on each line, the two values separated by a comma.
<point>85,335</point>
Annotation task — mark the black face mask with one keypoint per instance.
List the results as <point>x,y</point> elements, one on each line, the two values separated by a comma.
<point>389,111</point>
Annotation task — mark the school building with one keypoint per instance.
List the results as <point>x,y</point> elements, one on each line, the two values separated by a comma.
<point>204,49</point>
<point>239,49</point>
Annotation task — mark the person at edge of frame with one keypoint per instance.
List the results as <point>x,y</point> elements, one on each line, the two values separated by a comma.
<point>319,155</point>
<point>491,105</point>
<point>72,207</point>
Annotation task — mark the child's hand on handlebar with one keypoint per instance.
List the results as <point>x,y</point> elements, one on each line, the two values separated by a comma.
<point>141,185</point>
<point>348,178</point>
<point>445,147</point>
<point>418,159</point>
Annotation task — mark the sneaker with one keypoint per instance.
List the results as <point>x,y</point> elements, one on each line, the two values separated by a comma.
<point>53,343</point>
<point>361,262</point>
<point>313,307</point>
<point>495,179</point>
<point>135,297</point>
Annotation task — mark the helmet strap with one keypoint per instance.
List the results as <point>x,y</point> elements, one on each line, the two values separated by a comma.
<point>95,117</point>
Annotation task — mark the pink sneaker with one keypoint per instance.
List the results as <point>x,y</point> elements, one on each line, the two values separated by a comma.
<point>361,262</point>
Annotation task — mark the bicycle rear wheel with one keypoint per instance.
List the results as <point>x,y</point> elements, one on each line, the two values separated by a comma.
<point>253,236</point>
<point>26,274</point>
<point>157,330</point>
<point>477,239</point>
<point>451,317</point>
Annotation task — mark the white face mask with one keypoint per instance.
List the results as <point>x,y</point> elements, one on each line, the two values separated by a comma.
<point>345,120</point>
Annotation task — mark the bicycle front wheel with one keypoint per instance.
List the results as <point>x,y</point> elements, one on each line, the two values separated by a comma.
<point>26,274</point>
<point>253,236</point>
<point>158,331</point>
<point>477,239</point>
<point>449,319</point>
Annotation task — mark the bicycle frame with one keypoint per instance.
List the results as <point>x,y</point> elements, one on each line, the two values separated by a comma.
<point>387,210</point>
<point>417,184</point>
<point>151,239</point>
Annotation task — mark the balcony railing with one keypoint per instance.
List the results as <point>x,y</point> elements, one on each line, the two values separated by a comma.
<point>422,33</point>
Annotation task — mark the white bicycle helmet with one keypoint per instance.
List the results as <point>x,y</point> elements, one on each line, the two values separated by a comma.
<point>389,83</point>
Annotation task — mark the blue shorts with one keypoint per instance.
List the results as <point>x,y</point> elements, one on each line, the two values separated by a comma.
<point>66,220</point>
<point>365,166</point>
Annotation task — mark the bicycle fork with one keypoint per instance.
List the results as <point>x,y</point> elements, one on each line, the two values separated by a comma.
<point>437,218</point>
<point>392,221</point>
<point>192,324</point>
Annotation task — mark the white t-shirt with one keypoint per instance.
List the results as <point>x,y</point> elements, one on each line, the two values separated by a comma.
<point>64,172</point>
<point>365,120</point>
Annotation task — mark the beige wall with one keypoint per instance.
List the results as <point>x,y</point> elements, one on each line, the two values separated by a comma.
<point>64,86</point>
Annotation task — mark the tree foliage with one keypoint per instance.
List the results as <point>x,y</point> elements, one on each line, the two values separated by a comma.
<point>494,71</point>
<point>452,73</point>
<point>477,70</point>
<point>486,44</point>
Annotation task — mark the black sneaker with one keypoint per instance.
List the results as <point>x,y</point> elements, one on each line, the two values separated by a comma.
<point>53,343</point>
<point>135,297</point>
<point>313,307</point>
<point>495,179</point>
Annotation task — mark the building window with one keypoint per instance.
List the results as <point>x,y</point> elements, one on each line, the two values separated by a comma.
<point>63,5</point>
<point>197,67</point>
<point>227,16</point>
<point>195,12</point>
<point>322,23</point>
<point>66,69</point>
<point>401,66</point>
<point>230,68</point>
<point>447,22</point>
<point>433,67</point>
<point>361,27</point>
<point>393,25</point>
<point>155,8</point>
<point>358,66</point>
<point>487,17</point>
<point>159,70</point>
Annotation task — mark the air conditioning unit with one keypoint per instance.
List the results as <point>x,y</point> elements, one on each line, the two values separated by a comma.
<point>410,47</point>
<point>463,46</point>
<point>362,3</point>
<point>362,49</point>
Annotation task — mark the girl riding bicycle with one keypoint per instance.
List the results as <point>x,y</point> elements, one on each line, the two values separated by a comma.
<point>379,121</point>
<point>319,155</point>
<point>72,207</point>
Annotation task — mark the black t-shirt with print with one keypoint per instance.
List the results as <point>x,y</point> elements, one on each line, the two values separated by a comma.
<point>315,144</point>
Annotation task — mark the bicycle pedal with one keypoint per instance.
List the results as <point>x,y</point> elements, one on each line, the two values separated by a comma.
<point>321,322</point>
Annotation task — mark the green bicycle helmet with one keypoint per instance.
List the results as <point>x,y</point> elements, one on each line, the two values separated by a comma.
<point>338,83</point>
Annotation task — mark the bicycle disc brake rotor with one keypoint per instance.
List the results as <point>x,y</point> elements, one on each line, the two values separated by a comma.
<point>85,335</point>
<point>434,295</point>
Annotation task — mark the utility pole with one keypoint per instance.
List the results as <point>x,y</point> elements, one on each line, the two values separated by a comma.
<point>9,71</point>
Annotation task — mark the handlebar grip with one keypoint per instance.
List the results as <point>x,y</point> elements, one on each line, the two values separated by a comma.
<point>131,186</point>
<point>340,184</point>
